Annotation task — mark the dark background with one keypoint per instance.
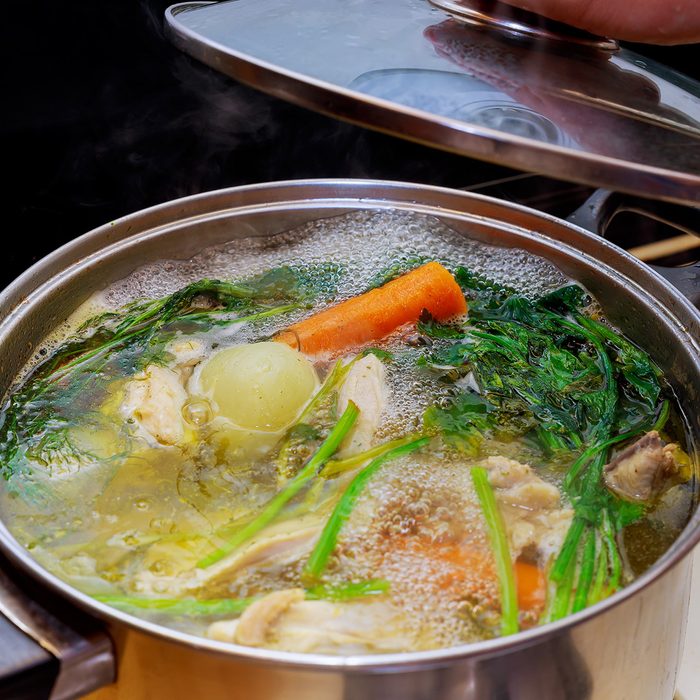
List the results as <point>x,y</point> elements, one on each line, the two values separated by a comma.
<point>104,117</point>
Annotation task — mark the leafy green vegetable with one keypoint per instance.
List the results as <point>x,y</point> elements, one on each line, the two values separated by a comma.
<point>569,298</point>
<point>401,266</point>
<point>434,329</point>
<point>548,372</point>
<point>383,355</point>
<point>462,423</point>
<point>277,503</point>
<point>35,422</point>
<point>471,281</point>
<point>499,544</point>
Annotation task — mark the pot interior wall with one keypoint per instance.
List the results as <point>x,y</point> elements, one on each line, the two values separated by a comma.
<point>178,231</point>
<point>624,302</point>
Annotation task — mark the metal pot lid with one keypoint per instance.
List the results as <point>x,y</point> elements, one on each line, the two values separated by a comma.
<point>467,77</point>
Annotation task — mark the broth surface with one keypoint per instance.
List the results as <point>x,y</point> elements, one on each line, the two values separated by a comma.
<point>131,478</point>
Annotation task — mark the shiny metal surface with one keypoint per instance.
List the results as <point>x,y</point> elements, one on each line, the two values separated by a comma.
<point>86,657</point>
<point>596,214</point>
<point>625,647</point>
<point>520,23</point>
<point>401,66</point>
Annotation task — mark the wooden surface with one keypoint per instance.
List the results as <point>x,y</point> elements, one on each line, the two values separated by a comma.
<point>668,246</point>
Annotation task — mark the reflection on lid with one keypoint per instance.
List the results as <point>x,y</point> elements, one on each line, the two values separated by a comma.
<point>402,66</point>
<point>461,97</point>
<point>600,105</point>
<point>513,20</point>
<point>517,120</point>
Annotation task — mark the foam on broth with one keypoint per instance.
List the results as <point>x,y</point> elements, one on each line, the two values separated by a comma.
<point>96,528</point>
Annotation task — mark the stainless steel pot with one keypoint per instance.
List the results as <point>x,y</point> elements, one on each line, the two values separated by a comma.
<point>626,647</point>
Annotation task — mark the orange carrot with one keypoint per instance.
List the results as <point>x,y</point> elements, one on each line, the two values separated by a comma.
<point>375,314</point>
<point>531,586</point>
<point>473,568</point>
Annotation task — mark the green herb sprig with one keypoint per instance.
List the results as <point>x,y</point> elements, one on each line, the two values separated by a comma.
<point>318,560</point>
<point>499,543</point>
<point>302,479</point>
<point>571,385</point>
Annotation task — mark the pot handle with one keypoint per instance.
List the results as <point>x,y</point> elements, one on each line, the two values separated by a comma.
<point>54,656</point>
<point>596,213</point>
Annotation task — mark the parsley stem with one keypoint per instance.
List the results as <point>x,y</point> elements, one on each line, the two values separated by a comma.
<point>568,549</point>
<point>179,606</point>
<point>585,576</point>
<point>348,591</point>
<point>596,592</point>
<point>562,599</point>
<point>326,544</point>
<point>235,606</point>
<point>333,379</point>
<point>338,466</point>
<point>499,543</point>
<point>663,416</point>
<point>277,503</point>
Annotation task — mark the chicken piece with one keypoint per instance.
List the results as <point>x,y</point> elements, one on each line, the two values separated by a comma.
<point>531,508</point>
<point>544,531</point>
<point>276,546</point>
<point>188,353</point>
<point>638,472</point>
<point>154,399</point>
<point>365,386</point>
<point>284,620</point>
<point>360,627</point>
<point>519,485</point>
<point>280,545</point>
<point>223,630</point>
<point>256,621</point>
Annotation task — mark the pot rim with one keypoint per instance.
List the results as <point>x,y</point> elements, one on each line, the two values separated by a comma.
<point>340,193</point>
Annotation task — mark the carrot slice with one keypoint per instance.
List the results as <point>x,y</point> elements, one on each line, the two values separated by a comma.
<point>472,568</point>
<point>375,314</point>
<point>531,586</point>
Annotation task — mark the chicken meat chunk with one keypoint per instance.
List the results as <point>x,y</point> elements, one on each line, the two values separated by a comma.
<point>274,548</point>
<point>187,353</point>
<point>253,626</point>
<point>153,400</point>
<point>639,472</point>
<point>531,508</point>
<point>284,620</point>
<point>365,386</point>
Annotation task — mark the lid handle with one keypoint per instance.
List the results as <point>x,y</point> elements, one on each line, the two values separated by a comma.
<point>521,23</point>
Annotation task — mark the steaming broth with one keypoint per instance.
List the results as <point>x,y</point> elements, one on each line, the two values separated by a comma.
<point>153,460</point>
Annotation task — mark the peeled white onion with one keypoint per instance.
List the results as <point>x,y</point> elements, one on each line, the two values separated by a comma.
<point>259,386</point>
